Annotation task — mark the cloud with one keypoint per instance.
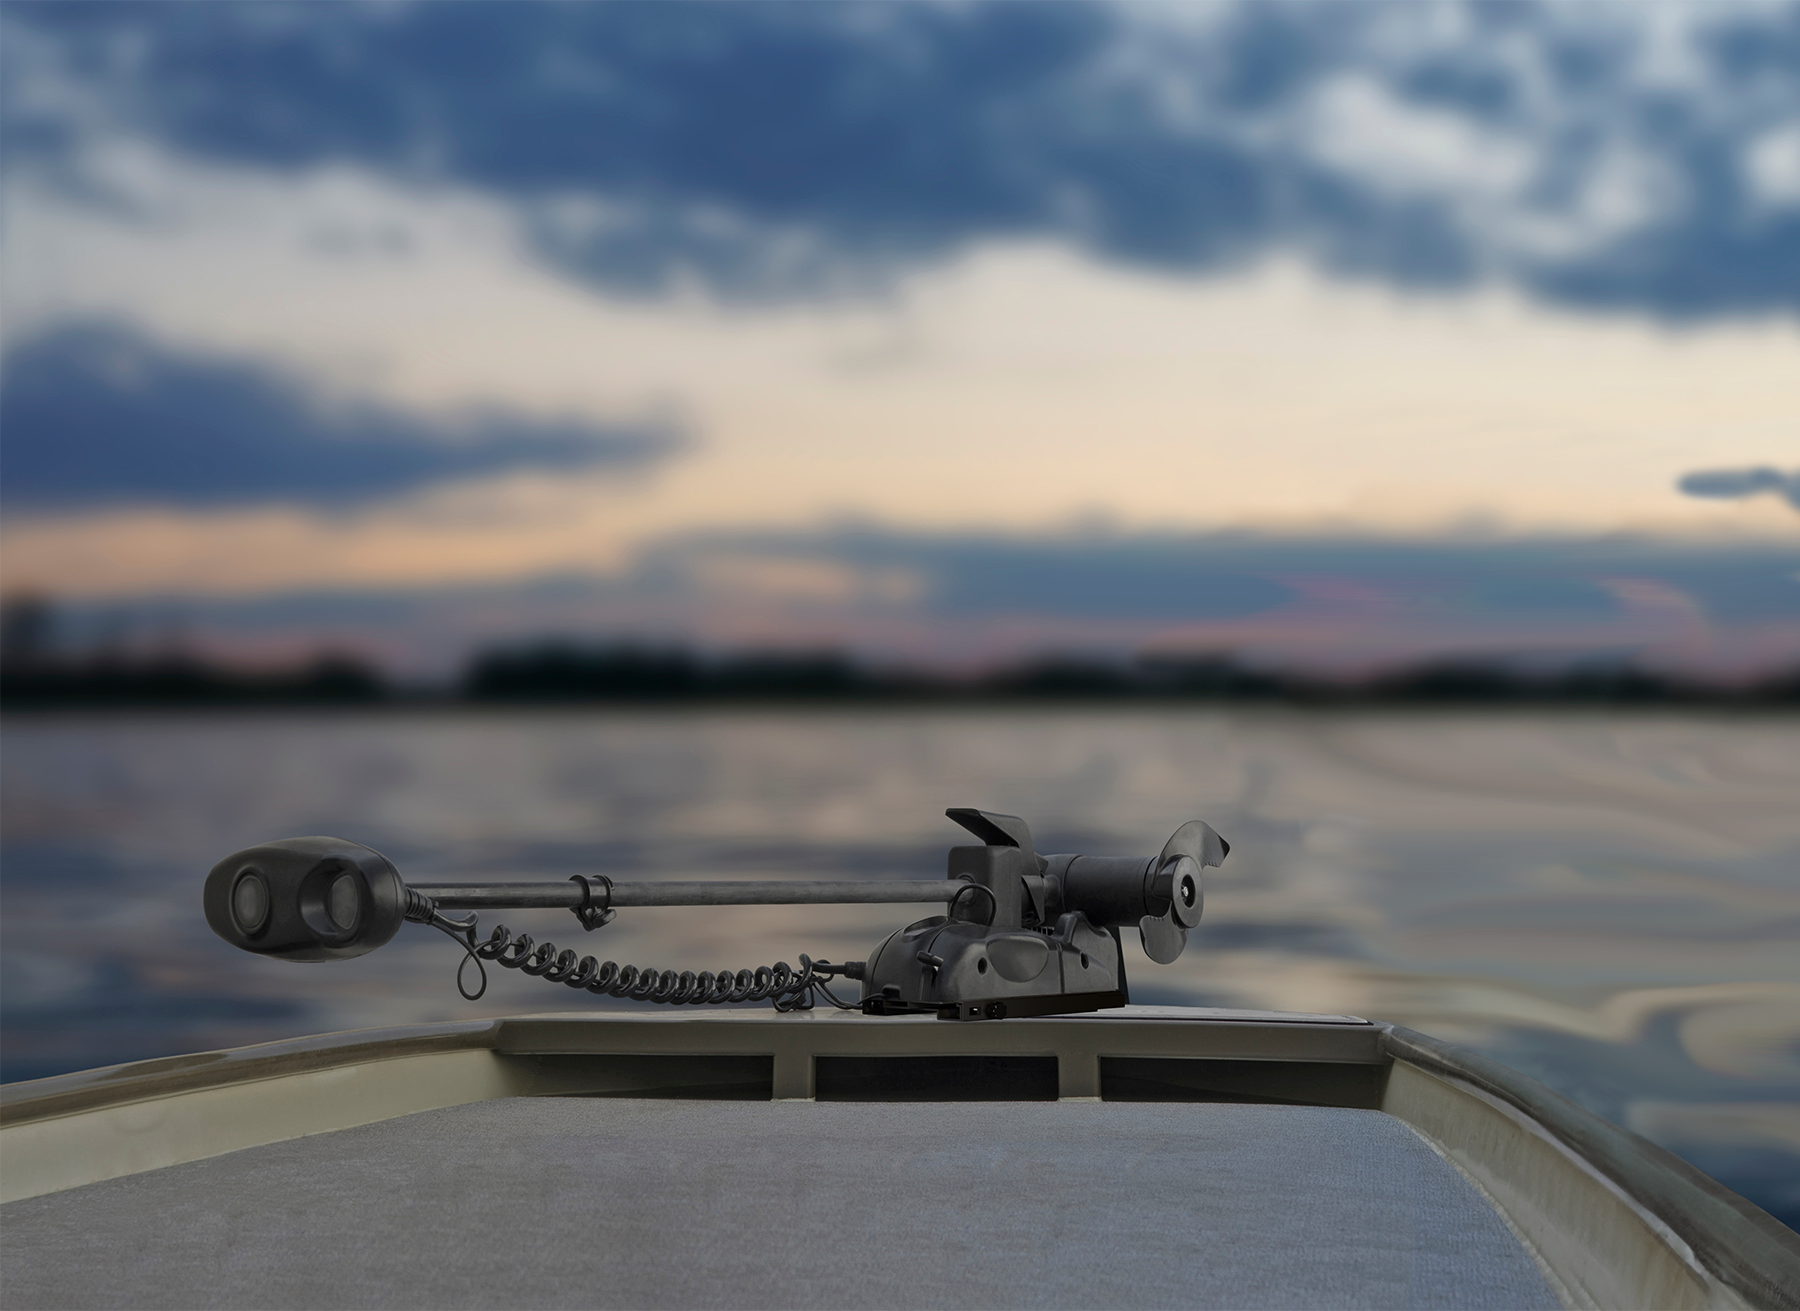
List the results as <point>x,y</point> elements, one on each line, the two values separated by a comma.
<point>95,414</point>
<point>1735,484</point>
<point>1147,577</point>
<point>1616,156</point>
<point>1333,603</point>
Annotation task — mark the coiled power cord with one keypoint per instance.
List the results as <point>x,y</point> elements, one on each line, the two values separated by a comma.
<point>782,986</point>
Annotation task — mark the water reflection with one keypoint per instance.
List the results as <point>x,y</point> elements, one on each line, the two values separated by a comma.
<point>1608,903</point>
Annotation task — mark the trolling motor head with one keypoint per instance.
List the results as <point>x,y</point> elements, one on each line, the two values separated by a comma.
<point>306,899</point>
<point>1037,935</point>
<point>1021,934</point>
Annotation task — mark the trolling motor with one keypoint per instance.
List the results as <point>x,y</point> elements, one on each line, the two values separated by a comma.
<point>1021,934</point>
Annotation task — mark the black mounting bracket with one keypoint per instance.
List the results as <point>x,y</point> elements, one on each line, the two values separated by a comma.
<point>594,915</point>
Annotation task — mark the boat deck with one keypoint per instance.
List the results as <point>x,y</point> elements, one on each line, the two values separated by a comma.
<point>1141,1157</point>
<point>605,1202</point>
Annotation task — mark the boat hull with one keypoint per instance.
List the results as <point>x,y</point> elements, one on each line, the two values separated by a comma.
<point>1605,1218</point>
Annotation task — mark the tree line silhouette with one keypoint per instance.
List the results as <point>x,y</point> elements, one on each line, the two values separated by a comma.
<point>548,672</point>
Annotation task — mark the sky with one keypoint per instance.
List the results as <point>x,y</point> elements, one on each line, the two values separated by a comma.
<point>1339,336</point>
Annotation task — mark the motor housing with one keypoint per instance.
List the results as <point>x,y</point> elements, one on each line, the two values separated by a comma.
<point>1039,934</point>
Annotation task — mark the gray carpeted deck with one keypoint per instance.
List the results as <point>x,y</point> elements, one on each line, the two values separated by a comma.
<point>584,1202</point>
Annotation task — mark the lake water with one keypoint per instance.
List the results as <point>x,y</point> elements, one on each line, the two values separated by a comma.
<point>1610,903</point>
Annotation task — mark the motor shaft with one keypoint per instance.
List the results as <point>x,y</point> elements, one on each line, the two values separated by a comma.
<point>569,894</point>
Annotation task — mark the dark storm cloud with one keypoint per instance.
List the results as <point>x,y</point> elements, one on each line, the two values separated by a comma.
<point>1735,484</point>
<point>755,142</point>
<point>776,147</point>
<point>95,414</point>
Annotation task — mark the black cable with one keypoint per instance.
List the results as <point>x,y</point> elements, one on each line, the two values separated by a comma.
<point>993,901</point>
<point>463,934</point>
<point>779,984</point>
<point>830,996</point>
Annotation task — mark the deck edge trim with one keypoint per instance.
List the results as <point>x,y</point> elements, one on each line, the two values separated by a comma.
<point>118,1085</point>
<point>1565,1293</point>
<point>1734,1240</point>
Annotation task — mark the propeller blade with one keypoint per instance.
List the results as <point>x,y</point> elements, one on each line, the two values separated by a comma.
<point>1162,937</point>
<point>1197,839</point>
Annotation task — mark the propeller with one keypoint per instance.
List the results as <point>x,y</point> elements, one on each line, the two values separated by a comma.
<point>1178,880</point>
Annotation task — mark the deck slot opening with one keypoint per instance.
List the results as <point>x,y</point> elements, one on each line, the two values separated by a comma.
<point>723,1078</point>
<point>1284,1083</point>
<point>935,1078</point>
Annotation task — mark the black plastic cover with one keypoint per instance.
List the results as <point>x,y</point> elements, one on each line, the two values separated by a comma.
<point>320,899</point>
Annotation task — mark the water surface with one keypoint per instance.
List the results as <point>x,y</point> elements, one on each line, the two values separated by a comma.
<point>1609,903</point>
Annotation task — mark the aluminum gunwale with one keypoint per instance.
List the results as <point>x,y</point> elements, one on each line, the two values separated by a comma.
<point>734,1031</point>
<point>168,1076</point>
<point>1742,1245</point>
